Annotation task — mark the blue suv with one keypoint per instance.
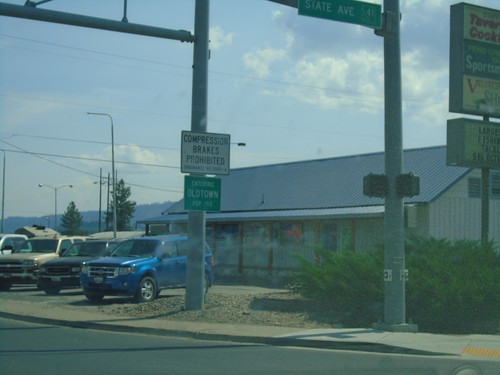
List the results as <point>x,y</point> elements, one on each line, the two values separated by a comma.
<point>141,267</point>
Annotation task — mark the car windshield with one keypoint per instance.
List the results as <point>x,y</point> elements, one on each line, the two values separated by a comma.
<point>39,246</point>
<point>136,249</point>
<point>87,249</point>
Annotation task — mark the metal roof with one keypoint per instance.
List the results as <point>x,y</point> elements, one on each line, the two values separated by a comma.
<point>327,213</point>
<point>329,183</point>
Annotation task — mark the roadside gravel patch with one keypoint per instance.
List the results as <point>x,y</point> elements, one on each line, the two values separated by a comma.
<point>270,309</point>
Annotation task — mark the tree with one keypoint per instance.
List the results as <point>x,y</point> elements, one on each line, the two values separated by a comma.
<point>72,220</point>
<point>125,208</point>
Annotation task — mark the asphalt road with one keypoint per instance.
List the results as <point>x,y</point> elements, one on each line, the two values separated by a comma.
<point>27,348</point>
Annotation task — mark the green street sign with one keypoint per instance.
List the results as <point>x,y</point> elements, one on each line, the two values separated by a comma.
<point>357,12</point>
<point>202,193</point>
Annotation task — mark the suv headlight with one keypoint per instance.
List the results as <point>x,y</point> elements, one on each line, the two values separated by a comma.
<point>85,269</point>
<point>122,271</point>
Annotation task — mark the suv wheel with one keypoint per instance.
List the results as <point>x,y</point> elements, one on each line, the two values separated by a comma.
<point>147,290</point>
<point>4,286</point>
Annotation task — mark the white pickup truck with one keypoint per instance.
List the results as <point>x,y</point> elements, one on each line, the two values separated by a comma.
<point>19,267</point>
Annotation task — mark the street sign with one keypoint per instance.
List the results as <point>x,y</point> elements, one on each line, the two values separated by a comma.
<point>202,193</point>
<point>205,153</point>
<point>357,12</point>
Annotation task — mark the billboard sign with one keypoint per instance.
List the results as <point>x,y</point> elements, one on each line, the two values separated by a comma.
<point>473,143</point>
<point>474,60</point>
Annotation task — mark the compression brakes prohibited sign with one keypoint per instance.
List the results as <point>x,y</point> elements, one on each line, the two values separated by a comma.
<point>205,153</point>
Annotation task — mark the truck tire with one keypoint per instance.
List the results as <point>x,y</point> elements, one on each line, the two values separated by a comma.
<point>147,290</point>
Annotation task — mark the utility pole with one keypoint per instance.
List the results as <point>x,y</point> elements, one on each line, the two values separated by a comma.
<point>394,234</point>
<point>195,276</point>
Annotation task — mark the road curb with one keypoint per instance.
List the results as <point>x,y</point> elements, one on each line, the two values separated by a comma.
<point>274,341</point>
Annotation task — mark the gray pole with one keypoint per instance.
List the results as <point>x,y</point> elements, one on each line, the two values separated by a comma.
<point>485,201</point>
<point>195,294</point>
<point>394,257</point>
<point>3,191</point>
<point>112,165</point>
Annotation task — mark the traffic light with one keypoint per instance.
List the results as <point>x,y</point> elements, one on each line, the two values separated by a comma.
<point>375,185</point>
<point>407,185</point>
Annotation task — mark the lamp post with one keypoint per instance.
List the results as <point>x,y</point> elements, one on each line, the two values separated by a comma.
<point>55,188</point>
<point>112,165</point>
<point>3,191</point>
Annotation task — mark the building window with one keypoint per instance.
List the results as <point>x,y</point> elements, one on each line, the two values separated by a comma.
<point>474,187</point>
<point>291,232</point>
<point>328,235</point>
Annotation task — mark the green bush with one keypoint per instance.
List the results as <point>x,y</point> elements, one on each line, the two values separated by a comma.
<point>347,284</point>
<point>453,287</point>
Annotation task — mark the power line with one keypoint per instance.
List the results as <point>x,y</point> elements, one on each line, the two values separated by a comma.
<point>20,151</point>
<point>42,156</point>
<point>89,141</point>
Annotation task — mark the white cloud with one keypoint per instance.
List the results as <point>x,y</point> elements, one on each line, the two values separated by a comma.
<point>330,82</point>
<point>259,62</point>
<point>218,39</point>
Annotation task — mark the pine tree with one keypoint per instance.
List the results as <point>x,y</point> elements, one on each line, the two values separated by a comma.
<point>72,220</point>
<point>125,208</point>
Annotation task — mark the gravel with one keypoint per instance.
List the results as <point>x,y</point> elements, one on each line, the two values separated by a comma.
<point>286,309</point>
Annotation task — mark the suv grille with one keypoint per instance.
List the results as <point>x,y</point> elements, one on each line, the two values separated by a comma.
<point>9,267</point>
<point>59,270</point>
<point>103,271</point>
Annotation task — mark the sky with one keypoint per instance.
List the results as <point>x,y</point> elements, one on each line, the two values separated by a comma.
<point>290,87</point>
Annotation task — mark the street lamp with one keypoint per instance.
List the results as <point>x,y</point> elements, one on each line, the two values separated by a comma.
<point>112,166</point>
<point>55,188</point>
<point>3,191</point>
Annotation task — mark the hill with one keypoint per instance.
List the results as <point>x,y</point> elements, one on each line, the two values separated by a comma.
<point>90,218</point>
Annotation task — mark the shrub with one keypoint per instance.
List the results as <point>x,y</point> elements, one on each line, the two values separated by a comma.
<point>454,286</point>
<point>347,284</point>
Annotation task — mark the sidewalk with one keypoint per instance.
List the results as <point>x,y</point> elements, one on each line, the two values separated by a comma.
<point>472,346</point>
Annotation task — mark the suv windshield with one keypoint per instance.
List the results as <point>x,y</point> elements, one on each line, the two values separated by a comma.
<point>39,246</point>
<point>136,249</point>
<point>88,249</point>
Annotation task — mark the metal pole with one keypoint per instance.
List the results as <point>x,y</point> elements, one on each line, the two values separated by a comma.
<point>394,236</point>
<point>112,165</point>
<point>3,191</point>
<point>485,201</point>
<point>195,294</point>
<point>100,197</point>
<point>55,188</point>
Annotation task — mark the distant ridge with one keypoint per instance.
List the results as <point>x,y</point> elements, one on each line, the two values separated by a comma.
<point>90,218</point>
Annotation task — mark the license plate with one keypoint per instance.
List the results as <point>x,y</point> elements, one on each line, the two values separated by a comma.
<point>98,279</point>
<point>7,276</point>
<point>56,278</point>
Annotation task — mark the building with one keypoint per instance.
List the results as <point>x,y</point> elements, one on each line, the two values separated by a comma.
<point>269,213</point>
